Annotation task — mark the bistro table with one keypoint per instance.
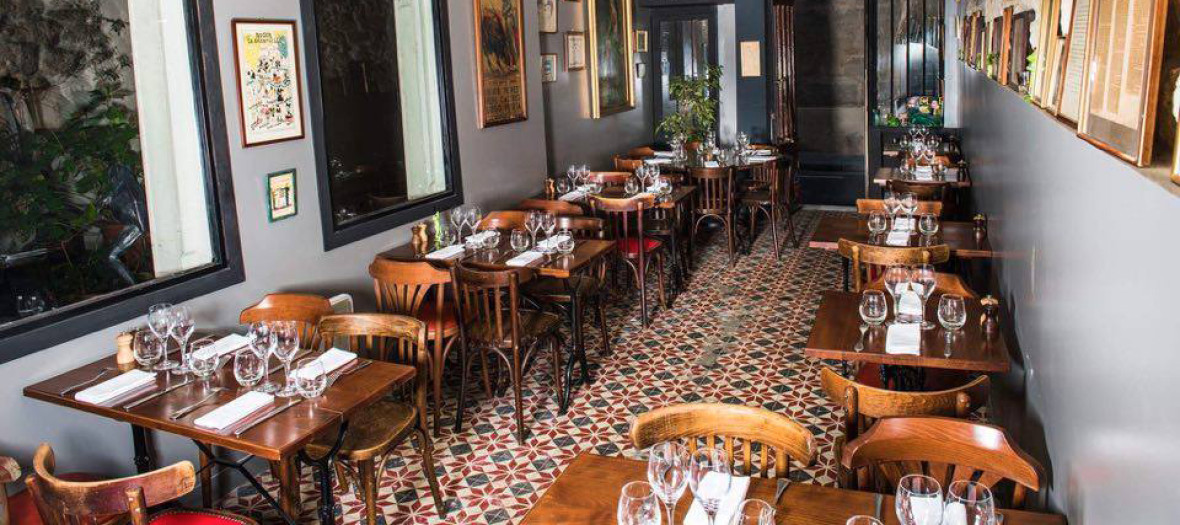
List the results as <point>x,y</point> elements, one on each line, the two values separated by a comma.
<point>951,178</point>
<point>958,236</point>
<point>588,492</point>
<point>279,439</point>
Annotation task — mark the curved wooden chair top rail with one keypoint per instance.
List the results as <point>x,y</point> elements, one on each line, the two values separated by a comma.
<point>924,191</point>
<point>385,337</point>
<point>557,207</point>
<point>870,255</point>
<point>865,404</point>
<point>755,430</point>
<point>503,220</point>
<point>944,448</point>
<point>304,309</point>
<point>627,163</point>
<point>867,206</point>
<point>641,151</point>
<point>490,303</point>
<point>611,178</point>
<point>582,226</point>
<point>635,203</point>
<point>944,283</point>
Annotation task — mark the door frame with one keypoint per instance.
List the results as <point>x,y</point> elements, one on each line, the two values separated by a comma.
<point>660,13</point>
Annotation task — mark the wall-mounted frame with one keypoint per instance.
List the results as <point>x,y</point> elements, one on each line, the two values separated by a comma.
<point>501,84</point>
<point>575,51</point>
<point>548,67</point>
<point>979,42</point>
<point>640,41</point>
<point>1073,65</point>
<point>270,85</point>
<point>612,78</point>
<point>1125,50</point>
<point>1005,33</point>
<point>281,196</point>
<point>1046,35</point>
<point>1176,161</point>
<point>547,16</point>
<point>1020,44</point>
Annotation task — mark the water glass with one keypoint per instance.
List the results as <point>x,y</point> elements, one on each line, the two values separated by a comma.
<point>160,323</point>
<point>863,520</point>
<point>181,328</point>
<point>753,512</point>
<point>710,477</point>
<point>148,350</point>
<point>877,223</point>
<point>952,312</point>
<point>203,361</point>
<point>919,500</point>
<point>562,186</point>
<point>969,503</point>
<point>492,240</point>
<point>667,471</point>
<point>310,378</point>
<point>892,204</point>
<point>897,281</point>
<point>923,281</point>
<point>286,345</point>
<point>566,243</point>
<point>471,217</point>
<point>520,240</point>
<point>548,223</point>
<point>873,308</point>
<point>262,342</point>
<point>631,186</point>
<point>532,222</point>
<point>908,203</point>
<point>638,505</point>
<point>928,224</point>
<point>248,368</point>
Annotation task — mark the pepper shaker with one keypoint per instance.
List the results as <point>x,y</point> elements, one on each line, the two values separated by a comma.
<point>419,240</point>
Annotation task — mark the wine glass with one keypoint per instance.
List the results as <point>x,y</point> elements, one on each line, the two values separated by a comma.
<point>909,204</point>
<point>952,313</point>
<point>548,223</point>
<point>928,224</point>
<point>919,500</point>
<point>562,186</point>
<point>160,323</point>
<point>458,216</point>
<point>969,503</point>
<point>532,222</point>
<point>519,240</point>
<point>892,205</point>
<point>863,520</point>
<point>667,471</point>
<point>310,378</point>
<point>566,243</point>
<point>203,362</point>
<point>753,512</point>
<point>923,280</point>
<point>873,308</point>
<point>286,345</point>
<point>148,350</point>
<point>877,222</point>
<point>248,368</point>
<point>181,328</point>
<point>710,478</point>
<point>897,281</point>
<point>638,505</point>
<point>571,173</point>
<point>472,216</point>
<point>261,341</point>
<point>631,186</point>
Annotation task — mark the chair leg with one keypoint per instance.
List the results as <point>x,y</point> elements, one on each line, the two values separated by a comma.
<point>206,481</point>
<point>660,280</point>
<point>367,472</point>
<point>600,309</point>
<point>791,227</point>
<point>487,381</point>
<point>562,395</point>
<point>436,383</point>
<point>518,398</point>
<point>774,230</point>
<point>428,467</point>
<point>730,232</point>
<point>642,294</point>
<point>464,370</point>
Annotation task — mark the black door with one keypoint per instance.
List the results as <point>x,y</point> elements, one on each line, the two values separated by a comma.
<point>684,43</point>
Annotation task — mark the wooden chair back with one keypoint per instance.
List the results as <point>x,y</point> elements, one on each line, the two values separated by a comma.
<point>556,207</point>
<point>865,256</point>
<point>627,163</point>
<point>402,288</point>
<point>924,191</point>
<point>61,502</point>
<point>864,405</point>
<point>399,339</point>
<point>489,304</point>
<point>764,147</point>
<point>867,206</point>
<point>623,217</point>
<point>765,441</point>
<point>611,179</point>
<point>642,151</point>
<point>714,195</point>
<point>946,449</point>
<point>503,220</point>
<point>305,309</point>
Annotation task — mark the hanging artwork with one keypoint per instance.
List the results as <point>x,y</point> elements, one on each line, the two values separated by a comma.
<point>547,10</point>
<point>499,51</point>
<point>270,94</point>
<point>612,85</point>
<point>548,67</point>
<point>575,51</point>
<point>1073,72</point>
<point>280,195</point>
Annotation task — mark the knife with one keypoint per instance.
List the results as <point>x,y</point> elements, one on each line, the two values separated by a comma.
<point>132,405</point>
<point>272,413</point>
<point>878,498</point>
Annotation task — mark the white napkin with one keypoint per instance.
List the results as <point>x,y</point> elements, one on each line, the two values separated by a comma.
<point>524,259</point>
<point>712,164</point>
<point>910,303</point>
<point>550,243</point>
<point>658,160</point>
<point>897,238</point>
<point>117,386</point>
<point>759,159</point>
<point>575,195</point>
<point>224,346</point>
<point>481,236</point>
<point>924,175</point>
<point>903,224</point>
<point>955,513</point>
<point>904,339</point>
<point>665,154</point>
<point>234,411</point>
<point>763,152</point>
<point>334,359</point>
<point>446,253</point>
<point>729,505</point>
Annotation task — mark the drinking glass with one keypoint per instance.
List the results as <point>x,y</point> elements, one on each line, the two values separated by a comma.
<point>571,173</point>
<point>897,281</point>
<point>892,204</point>
<point>952,313</point>
<point>709,477</point>
<point>877,223</point>
<point>310,378</point>
<point>532,222</point>
<point>863,520</point>
<point>457,217</point>
<point>472,216</point>
<point>492,240</point>
<point>638,505</point>
<point>969,503</point>
<point>667,471</point>
<point>181,328</point>
<point>160,323</point>
<point>286,345</point>
<point>248,368</point>
<point>923,280</point>
<point>262,341</point>
<point>928,224</point>
<point>919,500</point>
<point>566,243</point>
<point>520,240</point>
<point>148,350</point>
<point>584,173</point>
<point>873,308</point>
<point>562,186</point>
<point>548,223</point>
<point>753,512</point>
<point>631,186</point>
<point>203,363</point>
<point>909,203</point>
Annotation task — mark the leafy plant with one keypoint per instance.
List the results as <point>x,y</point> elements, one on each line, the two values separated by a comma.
<point>696,105</point>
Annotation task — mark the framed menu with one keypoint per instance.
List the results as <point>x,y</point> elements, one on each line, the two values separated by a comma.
<point>1073,73</point>
<point>1046,31</point>
<point>1125,50</point>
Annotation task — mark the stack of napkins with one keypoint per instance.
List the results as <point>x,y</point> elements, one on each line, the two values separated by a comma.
<point>230,413</point>
<point>954,513</point>
<point>449,252</point>
<point>903,224</point>
<point>897,238</point>
<point>223,347</point>
<point>525,259</point>
<point>665,154</point>
<point>658,160</point>
<point>573,196</point>
<point>116,387</point>
<point>729,505</point>
<point>335,359</point>
<point>904,339</point>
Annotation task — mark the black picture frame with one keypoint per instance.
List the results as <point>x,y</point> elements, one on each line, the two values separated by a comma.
<point>335,237</point>
<point>63,324</point>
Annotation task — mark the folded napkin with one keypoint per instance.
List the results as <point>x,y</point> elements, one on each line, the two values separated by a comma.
<point>904,339</point>
<point>658,160</point>
<point>910,303</point>
<point>223,347</point>
<point>334,359</point>
<point>446,253</point>
<point>729,505</point>
<point>481,236</point>
<point>924,176</point>
<point>759,159</point>
<point>525,259</point>
<point>903,224</point>
<point>924,169</point>
<point>234,411</point>
<point>712,164</point>
<point>550,243</point>
<point>762,152</point>
<point>116,387</point>
<point>665,154</point>
<point>897,238</point>
<point>575,195</point>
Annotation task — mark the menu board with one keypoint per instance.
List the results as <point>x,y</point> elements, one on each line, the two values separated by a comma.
<point>1075,62</point>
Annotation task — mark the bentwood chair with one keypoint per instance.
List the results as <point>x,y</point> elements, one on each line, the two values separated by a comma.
<point>611,179</point>
<point>20,508</point>
<point>627,163</point>
<point>503,220</point>
<point>766,198</point>
<point>715,200</point>
<point>62,502</point>
<point>777,438</point>
<point>642,151</point>
<point>867,206</point>
<point>556,207</point>
<point>635,247</point>
<point>945,449</point>
<point>923,191</point>
<point>494,322</point>
<point>375,433</point>
<point>419,290</point>
<point>305,309</point>
<point>866,258</point>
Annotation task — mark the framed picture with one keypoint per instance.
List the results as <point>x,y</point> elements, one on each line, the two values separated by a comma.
<point>640,70</point>
<point>612,79</point>
<point>1125,52</point>
<point>575,51</point>
<point>1176,161</point>
<point>1073,66</point>
<point>280,195</point>
<point>549,67</point>
<point>1005,41</point>
<point>547,13</point>
<point>1046,31</point>
<point>500,73</point>
<point>270,90</point>
<point>641,41</point>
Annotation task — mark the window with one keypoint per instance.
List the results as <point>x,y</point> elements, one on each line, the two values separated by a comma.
<point>381,113</point>
<point>111,181</point>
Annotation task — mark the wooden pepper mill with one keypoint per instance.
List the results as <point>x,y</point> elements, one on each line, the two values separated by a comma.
<point>990,320</point>
<point>550,189</point>
<point>419,241</point>
<point>980,227</point>
<point>125,350</point>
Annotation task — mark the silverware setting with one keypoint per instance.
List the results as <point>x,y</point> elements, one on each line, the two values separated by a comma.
<point>156,395</point>
<point>100,375</point>
<point>269,414</point>
<point>877,500</point>
<point>783,484</point>
<point>860,341</point>
<point>189,409</point>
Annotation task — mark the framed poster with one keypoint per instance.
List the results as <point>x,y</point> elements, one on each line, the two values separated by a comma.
<point>641,41</point>
<point>1046,36</point>
<point>547,13</point>
<point>270,89</point>
<point>280,195</point>
<point>1126,46</point>
<point>1019,47</point>
<point>1176,161</point>
<point>1073,72</point>
<point>575,51</point>
<point>612,79</point>
<point>500,73</point>
<point>548,67</point>
<point>1005,50</point>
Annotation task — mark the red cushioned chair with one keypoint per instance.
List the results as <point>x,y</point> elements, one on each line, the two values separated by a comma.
<point>61,502</point>
<point>624,219</point>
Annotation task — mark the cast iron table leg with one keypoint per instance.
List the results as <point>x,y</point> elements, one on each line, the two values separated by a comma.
<point>327,509</point>
<point>143,459</point>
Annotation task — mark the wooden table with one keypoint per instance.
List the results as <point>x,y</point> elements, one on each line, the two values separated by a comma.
<point>837,329</point>
<point>279,439</point>
<point>673,201</point>
<point>588,492</point>
<point>559,267</point>
<point>952,178</point>
<point>958,236</point>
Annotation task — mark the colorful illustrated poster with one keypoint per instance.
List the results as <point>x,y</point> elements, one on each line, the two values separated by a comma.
<point>499,49</point>
<point>269,90</point>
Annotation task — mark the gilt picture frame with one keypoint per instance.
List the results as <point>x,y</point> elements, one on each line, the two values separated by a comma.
<point>270,83</point>
<point>501,84</point>
<point>611,47</point>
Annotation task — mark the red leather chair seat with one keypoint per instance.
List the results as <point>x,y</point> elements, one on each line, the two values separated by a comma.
<point>23,510</point>
<point>428,314</point>
<point>630,246</point>
<point>197,517</point>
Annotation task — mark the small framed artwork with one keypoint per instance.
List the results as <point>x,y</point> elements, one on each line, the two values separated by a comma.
<point>575,51</point>
<point>270,94</point>
<point>641,41</point>
<point>547,10</point>
<point>280,195</point>
<point>640,70</point>
<point>548,67</point>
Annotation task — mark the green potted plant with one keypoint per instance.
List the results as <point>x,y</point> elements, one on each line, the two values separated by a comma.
<point>696,106</point>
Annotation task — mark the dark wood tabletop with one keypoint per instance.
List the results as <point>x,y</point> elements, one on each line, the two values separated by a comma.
<point>837,329</point>
<point>561,267</point>
<point>959,236</point>
<point>679,195</point>
<point>273,439</point>
<point>588,492</point>
<point>951,178</point>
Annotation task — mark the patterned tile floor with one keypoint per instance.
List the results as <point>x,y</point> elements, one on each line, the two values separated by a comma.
<point>755,317</point>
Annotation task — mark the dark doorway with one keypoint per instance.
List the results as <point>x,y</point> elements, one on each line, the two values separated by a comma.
<point>684,43</point>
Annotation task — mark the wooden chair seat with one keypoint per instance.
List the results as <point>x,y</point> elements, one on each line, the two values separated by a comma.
<point>630,246</point>
<point>533,325</point>
<point>559,290</point>
<point>370,432</point>
<point>757,197</point>
<point>944,283</point>
<point>662,226</point>
<point>428,314</point>
<point>198,517</point>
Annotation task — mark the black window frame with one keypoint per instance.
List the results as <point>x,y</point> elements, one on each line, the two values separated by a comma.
<point>69,322</point>
<point>383,221</point>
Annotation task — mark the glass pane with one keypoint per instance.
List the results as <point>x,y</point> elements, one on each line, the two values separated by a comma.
<point>684,51</point>
<point>101,154</point>
<point>382,114</point>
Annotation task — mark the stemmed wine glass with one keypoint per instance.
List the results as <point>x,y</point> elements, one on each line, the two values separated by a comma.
<point>923,280</point>
<point>919,500</point>
<point>458,216</point>
<point>532,222</point>
<point>549,225</point>
<point>952,313</point>
<point>897,281</point>
<point>710,478</point>
<point>667,471</point>
<point>286,345</point>
<point>638,505</point>
<point>892,204</point>
<point>262,342</point>
<point>969,503</point>
<point>160,323</point>
<point>753,512</point>
<point>181,328</point>
<point>248,368</point>
<point>472,217</point>
<point>909,204</point>
<point>877,223</point>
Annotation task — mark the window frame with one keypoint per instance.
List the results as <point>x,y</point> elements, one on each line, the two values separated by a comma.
<point>79,319</point>
<point>383,221</point>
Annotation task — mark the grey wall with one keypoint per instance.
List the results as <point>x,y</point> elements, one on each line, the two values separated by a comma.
<point>1089,274</point>
<point>829,43</point>
<point>283,256</point>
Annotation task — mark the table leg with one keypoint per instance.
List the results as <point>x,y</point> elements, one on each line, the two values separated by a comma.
<point>206,478</point>
<point>286,471</point>
<point>143,459</point>
<point>847,274</point>
<point>323,464</point>
<point>240,467</point>
<point>903,378</point>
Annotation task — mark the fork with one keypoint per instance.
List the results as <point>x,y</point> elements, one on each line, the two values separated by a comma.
<point>189,409</point>
<point>100,375</point>
<point>860,344</point>
<point>783,483</point>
